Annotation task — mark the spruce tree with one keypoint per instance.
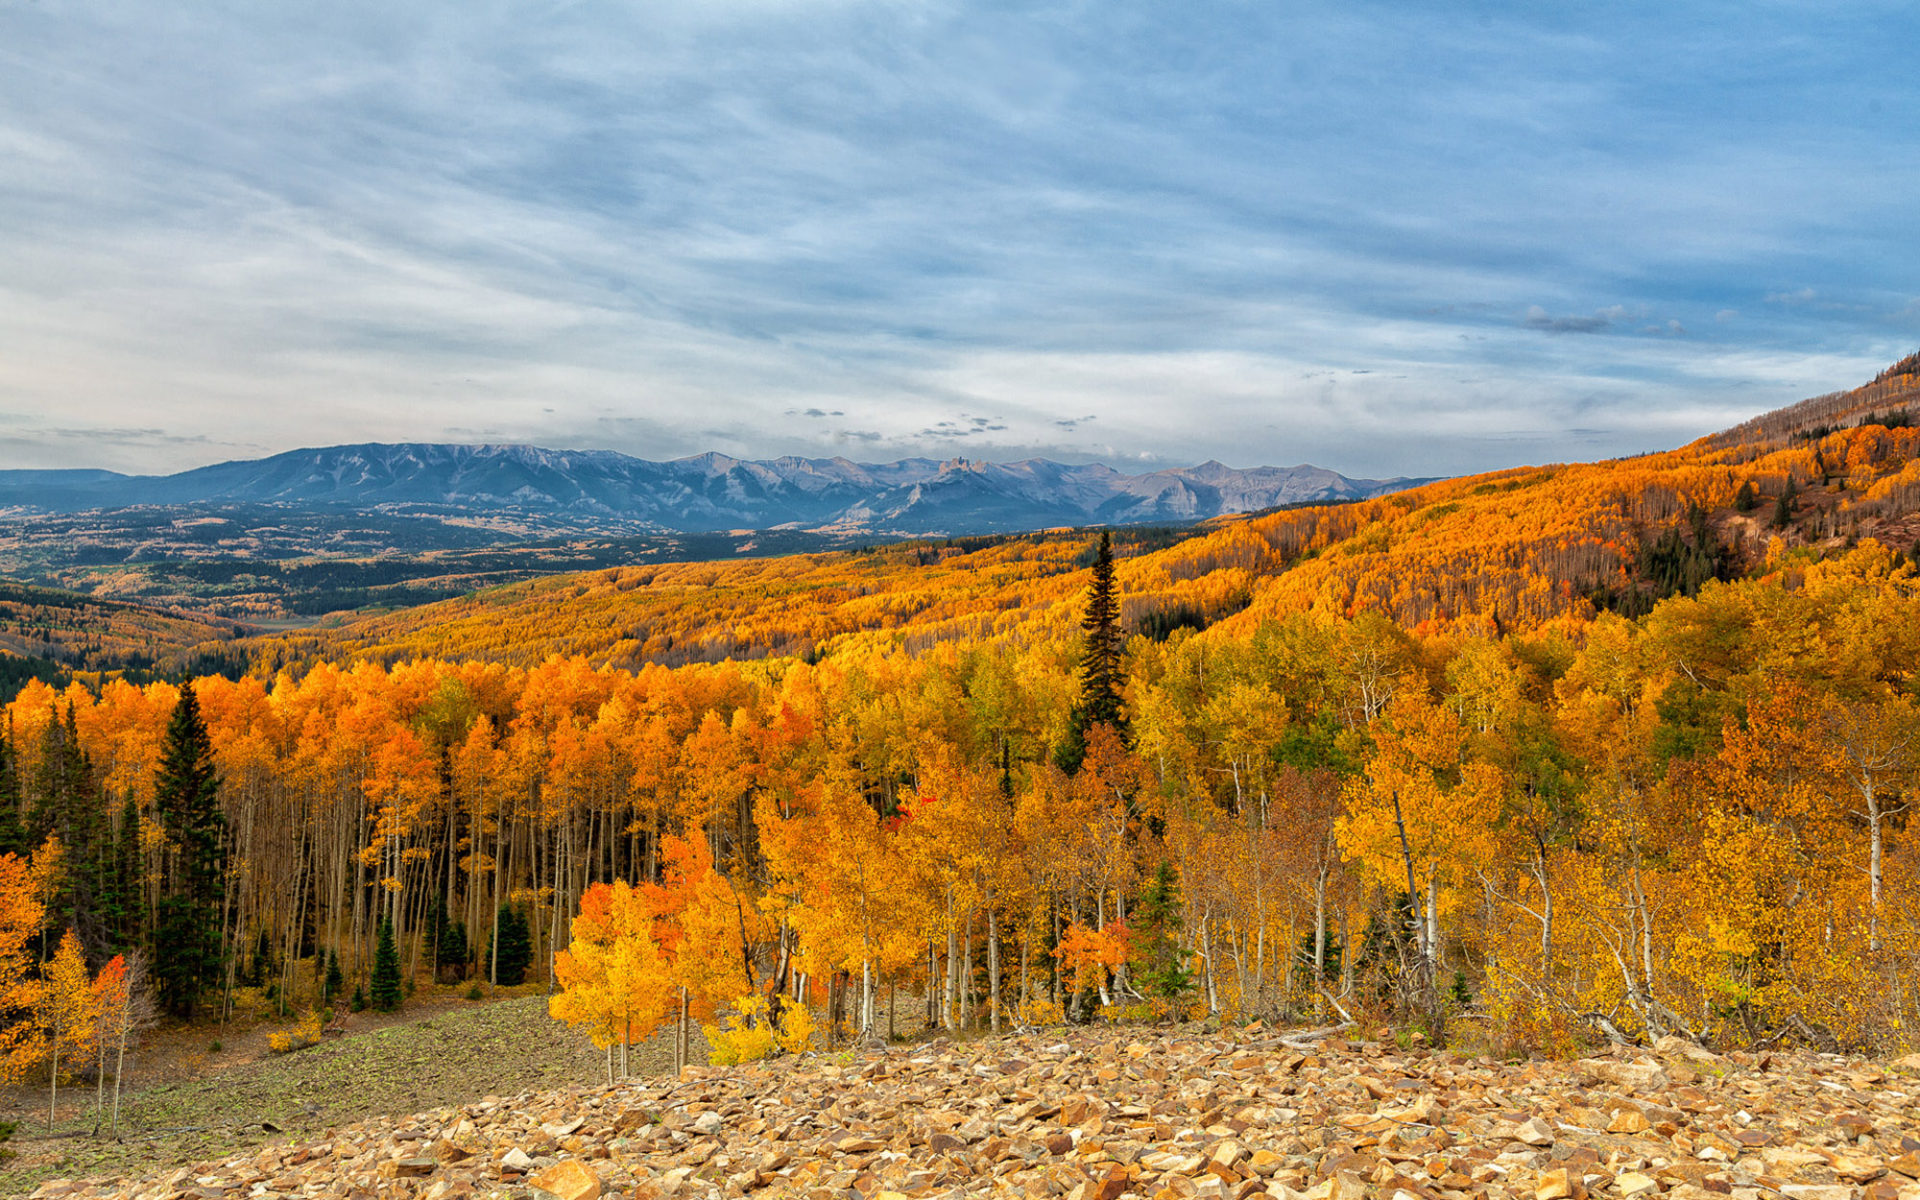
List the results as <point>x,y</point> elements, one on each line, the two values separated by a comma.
<point>332,981</point>
<point>383,991</point>
<point>13,834</point>
<point>1157,918</point>
<point>514,950</point>
<point>186,952</point>
<point>1102,674</point>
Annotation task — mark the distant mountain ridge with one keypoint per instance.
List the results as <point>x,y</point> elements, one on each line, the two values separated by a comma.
<point>607,491</point>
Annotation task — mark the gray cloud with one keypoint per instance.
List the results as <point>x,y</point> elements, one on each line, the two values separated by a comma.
<point>672,228</point>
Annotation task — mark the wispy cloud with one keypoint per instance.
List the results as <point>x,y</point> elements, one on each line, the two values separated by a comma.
<point>1084,231</point>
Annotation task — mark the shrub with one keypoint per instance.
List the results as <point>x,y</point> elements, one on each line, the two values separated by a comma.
<point>473,993</point>
<point>796,1028</point>
<point>304,1033</point>
<point>749,1037</point>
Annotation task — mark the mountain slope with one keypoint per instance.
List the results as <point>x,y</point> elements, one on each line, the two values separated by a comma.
<point>1515,548</point>
<point>609,492</point>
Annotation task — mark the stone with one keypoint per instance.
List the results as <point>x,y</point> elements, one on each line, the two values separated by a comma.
<point>1673,1046</point>
<point>407,1168</point>
<point>516,1159</point>
<point>1534,1132</point>
<point>1817,1191</point>
<point>1632,1183</point>
<point>709,1123</point>
<point>1628,1120</point>
<point>1557,1184</point>
<point>569,1179</point>
<point>1858,1170</point>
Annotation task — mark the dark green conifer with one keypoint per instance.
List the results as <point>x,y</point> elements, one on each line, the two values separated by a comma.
<point>13,833</point>
<point>383,992</point>
<point>1102,672</point>
<point>186,948</point>
<point>332,981</point>
<point>513,953</point>
<point>1157,922</point>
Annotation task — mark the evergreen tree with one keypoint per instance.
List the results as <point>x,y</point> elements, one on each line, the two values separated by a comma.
<point>1783,507</point>
<point>384,989</point>
<point>514,951</point>
<point>451,952</point>
<point>193,888</point>
<point>13,834</point>
<point>332,981</point>
<point>1157,917</point>
<point>66,806</point>
<point>1746,499</point>
<point>122,886</point>
<point>1102,674</point>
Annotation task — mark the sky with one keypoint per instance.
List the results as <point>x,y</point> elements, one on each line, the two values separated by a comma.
<point>1389,239</point>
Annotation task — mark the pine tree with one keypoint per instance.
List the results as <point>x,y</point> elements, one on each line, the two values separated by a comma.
<point>193,894</point>
<point>13,834</point>
<point>1783,507</point>
<point>383,991</point>
<point>514,950</point>
<point>1102,674</point>
<point>1157,917</point>
<point>122,884</point>
<point>332,981</point>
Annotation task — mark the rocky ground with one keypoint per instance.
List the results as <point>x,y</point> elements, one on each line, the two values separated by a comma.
<point>1103,1115</point>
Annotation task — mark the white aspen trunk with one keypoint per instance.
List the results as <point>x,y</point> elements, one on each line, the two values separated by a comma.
<point>993,968</point>
<point>119,1069</point>
<point>53,1076</point>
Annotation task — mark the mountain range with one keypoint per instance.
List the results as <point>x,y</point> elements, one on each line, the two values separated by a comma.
<point>603,491</point>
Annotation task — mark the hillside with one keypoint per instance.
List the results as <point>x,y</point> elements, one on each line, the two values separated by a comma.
<point>88,633</point>
<point>1101,1115</point>
<point>1520,548</point>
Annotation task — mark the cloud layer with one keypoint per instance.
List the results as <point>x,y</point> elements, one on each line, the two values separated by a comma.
<point>1382,239</point>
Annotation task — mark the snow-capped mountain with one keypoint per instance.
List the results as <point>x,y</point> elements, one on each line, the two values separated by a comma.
<point>598,489</point>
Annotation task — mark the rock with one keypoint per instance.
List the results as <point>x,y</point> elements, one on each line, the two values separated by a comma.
<point>1817,1191</point>
<point>1628,1120</point>
<point>407,1168</point>
<point>1858,1170</point>
<point>1558,1184</point>
<point>1907,1164</point>
<point>1342,1185</point>
<point>1672,1046</point>
<point>516,1159</point>
<point>709,1123</point>
<point>569,1179</point>
<point>1632,1183</point>
<point>1534,1132</point>
<point>1640,1075</point>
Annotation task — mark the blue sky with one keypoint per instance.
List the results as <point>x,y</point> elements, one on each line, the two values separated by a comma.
<point>1388,239</point>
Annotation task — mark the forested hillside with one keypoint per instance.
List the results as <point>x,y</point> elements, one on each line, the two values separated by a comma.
<point>1551,755</point>
<point>1515,548</point>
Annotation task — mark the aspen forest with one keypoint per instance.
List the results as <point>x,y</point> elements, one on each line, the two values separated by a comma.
<point>1539,759</point>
